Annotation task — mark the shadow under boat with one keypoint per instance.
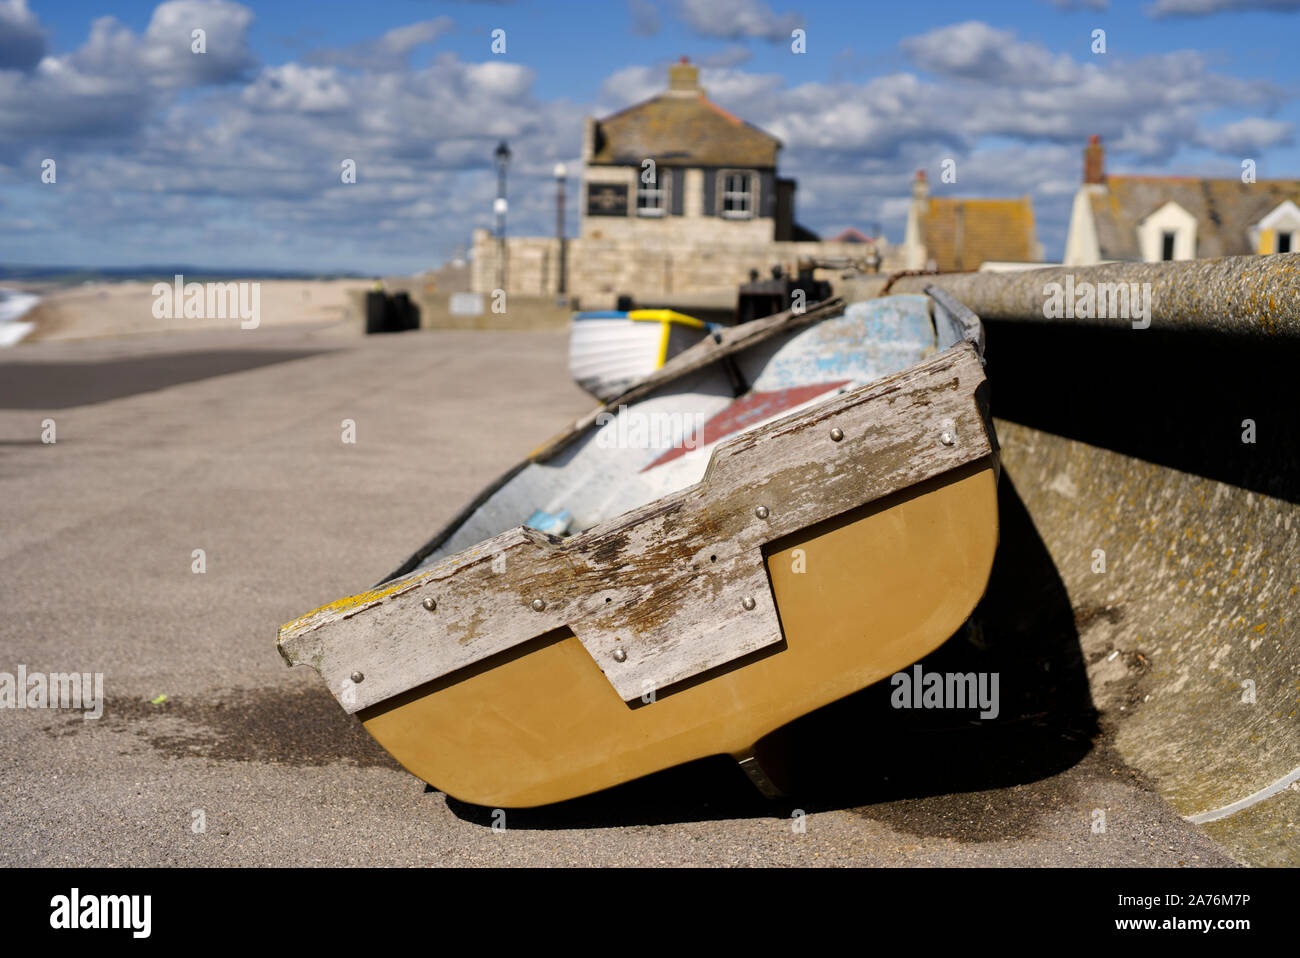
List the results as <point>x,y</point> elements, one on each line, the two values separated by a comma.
<point>863,751</point>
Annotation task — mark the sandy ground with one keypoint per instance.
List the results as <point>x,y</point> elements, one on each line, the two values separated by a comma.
<point>230,441</point>
<point>127,309</point>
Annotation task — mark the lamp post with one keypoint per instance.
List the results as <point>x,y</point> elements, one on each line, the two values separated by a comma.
<point>873,258</point>
<point>560,174</point>
<point>502,156</point>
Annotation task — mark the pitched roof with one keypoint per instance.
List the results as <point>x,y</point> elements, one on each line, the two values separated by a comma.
<point>682,127</point>
<point>960,234</point>
<point>1225,210</point>
<point>851,235</point>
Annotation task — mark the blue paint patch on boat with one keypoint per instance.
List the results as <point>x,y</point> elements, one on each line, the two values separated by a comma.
<point>554,523</point>
<point>601,314</point>
<point>874,338</point>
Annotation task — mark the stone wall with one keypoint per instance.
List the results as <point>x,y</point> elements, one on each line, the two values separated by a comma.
<point>532,264</point>
<point>641,266</point>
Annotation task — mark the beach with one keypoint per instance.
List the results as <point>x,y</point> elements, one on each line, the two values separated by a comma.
<point>95,310</point>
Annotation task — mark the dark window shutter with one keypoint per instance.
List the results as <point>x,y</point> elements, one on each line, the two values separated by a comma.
<point>710,192</point>
<point>767,194</point>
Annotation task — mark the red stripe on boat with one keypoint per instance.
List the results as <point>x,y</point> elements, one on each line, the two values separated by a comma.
<point>745,412</point>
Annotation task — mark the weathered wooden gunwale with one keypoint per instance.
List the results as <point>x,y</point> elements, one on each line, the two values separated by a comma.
<point>678,586</point>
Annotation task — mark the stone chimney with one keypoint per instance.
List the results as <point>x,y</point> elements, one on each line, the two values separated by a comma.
<point>914,250</point>
<point>684,78</point>
<point>1094,161</point>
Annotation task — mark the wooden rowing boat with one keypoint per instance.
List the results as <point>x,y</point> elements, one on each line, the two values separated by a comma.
<point>610,351</point>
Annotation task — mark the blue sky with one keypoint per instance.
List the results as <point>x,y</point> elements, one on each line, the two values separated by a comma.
<point>230,159</point>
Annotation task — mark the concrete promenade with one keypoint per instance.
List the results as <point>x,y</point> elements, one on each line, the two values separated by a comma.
<point>230,442</point>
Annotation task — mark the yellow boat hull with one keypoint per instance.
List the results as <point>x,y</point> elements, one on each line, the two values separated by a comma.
<point>859,598</point>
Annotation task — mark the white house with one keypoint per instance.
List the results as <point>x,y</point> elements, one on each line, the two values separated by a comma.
<point>1153,218</point>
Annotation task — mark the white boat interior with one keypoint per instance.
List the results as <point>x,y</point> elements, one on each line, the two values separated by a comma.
<point>662,443</point>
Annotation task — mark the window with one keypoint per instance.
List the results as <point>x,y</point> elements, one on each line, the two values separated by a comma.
<point>1167,244</point>
<point>737,196</point>
<point>652,198</point>
<point>1278,231</point>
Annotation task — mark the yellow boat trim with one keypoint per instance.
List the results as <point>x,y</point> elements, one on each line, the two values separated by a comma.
<point>666,317</point>
<point>350,602</point>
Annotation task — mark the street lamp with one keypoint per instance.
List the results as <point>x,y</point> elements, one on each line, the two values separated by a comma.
<point>502,156</point>
<point>560,174</point>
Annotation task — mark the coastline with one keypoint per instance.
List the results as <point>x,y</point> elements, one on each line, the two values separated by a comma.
<point>112,309</point>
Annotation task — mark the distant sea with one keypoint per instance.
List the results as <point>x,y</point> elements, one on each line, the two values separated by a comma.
<point>14,305</point>
<point>80,275</point>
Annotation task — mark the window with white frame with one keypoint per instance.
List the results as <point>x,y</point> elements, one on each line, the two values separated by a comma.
<point>652,197</point>
<point>737,201</point>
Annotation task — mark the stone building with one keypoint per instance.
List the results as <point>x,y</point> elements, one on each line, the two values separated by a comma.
<point>677,197</point>
<point>1153,218</point>
<point>680,168</point>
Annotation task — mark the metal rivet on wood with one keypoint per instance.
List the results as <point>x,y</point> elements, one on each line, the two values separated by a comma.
<point>761,512</point>
<point>358,677</point>
<point>837,434</point>
<point>748,602</point>
<point>539,605</point>
<point>620,655</point>
<point>430,603</point>
<point>947,438</point>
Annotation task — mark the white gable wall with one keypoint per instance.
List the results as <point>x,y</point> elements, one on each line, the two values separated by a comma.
<point>1169,218</point>
<point>1081,245</point>
<point>1283,218</point>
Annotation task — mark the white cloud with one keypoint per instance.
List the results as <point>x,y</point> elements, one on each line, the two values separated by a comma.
<point>498,79</point>
<point>737,19</point>
<point>1247,136</point>
<point>629,85</point>
<point>297,89</point>
<point>976,51</point>
<point>22,41</point>
<point>390,51</point>
<point>165,52</point>
<point>111,83</point>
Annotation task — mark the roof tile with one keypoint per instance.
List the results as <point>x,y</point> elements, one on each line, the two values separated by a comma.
<point>677,130</point>
<point>960,234</point>
<point>1225,210</point>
